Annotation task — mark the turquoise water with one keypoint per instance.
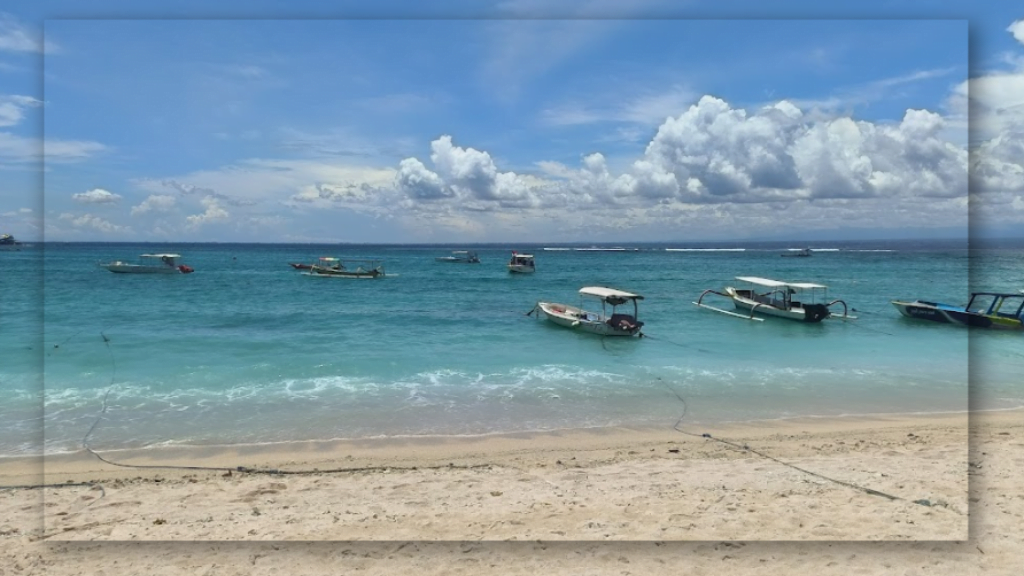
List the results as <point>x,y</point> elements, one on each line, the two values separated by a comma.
<point>248,350</point>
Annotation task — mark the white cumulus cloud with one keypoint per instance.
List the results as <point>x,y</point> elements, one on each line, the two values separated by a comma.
<point>92,222</point>
<point>213,213</point>
<point>154,203</point>
<point>96,196</point>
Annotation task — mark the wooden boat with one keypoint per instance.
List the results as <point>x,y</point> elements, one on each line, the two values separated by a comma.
<point>167,265</point>
<point>347,268</point>
<point>998,310</point>
<point>601,323</point>
<point>521,263</point>
<point>460,257</point>
<point>803,301</point>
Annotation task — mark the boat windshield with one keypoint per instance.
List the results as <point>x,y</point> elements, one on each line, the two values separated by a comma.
<point>981,303</point>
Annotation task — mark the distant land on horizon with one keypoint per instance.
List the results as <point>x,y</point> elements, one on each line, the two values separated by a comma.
<point>831,236</point>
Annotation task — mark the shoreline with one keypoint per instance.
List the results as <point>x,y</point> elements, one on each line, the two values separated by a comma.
<point>477,448</point>
<point>855,478</point>
<point>272,446</point>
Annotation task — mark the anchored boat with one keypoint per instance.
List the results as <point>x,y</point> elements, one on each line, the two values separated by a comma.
<point>8,242</point>
<point>460,257</point>
<point>803,301</point>
<point>168,264</point>
<point>521,263</point>
<point>602,323</point>
<point>999,310</point>
<point>347,268</point>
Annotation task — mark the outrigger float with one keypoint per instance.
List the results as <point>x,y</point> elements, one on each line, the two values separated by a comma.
<point>802,301</point>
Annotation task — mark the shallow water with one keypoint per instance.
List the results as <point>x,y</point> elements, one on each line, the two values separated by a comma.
<point>246,349</point>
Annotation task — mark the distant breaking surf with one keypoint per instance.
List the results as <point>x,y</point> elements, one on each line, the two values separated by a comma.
<point>705,249</point>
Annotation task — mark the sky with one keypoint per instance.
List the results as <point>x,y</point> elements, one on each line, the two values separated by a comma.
<point>510,121</point>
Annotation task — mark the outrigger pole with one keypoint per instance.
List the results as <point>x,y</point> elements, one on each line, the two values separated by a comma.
<point>702,305</point>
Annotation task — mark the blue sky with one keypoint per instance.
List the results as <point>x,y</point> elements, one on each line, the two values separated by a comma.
<point>509,121</point>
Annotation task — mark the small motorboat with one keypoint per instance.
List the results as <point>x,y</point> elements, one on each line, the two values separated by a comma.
<point>521,263</point>
<point>602,323</point>
<point>348,268</point>
<point>998,310</point>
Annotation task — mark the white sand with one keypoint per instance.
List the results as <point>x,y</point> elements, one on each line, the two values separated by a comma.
<point>703,507</point>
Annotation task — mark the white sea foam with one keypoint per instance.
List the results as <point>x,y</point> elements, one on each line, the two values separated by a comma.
<point>705,249</point>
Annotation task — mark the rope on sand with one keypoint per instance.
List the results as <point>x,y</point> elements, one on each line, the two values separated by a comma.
<point>747,448</point>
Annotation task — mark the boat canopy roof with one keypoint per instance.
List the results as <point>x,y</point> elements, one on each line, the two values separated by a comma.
<point>350,260</point>
<point>610,295</point>
<point>779,284</point>
<point>527,256</point>
<point>161,255</point>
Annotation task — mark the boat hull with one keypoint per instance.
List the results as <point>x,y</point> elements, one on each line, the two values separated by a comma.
<point>520,269</point>
<point>125,268</point>
<point>576,318</point>
<point>812,313</point>
<point>946,314</point>
<point>352,274</point>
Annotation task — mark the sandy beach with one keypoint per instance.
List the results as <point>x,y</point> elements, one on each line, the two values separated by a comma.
<point>836,496</point>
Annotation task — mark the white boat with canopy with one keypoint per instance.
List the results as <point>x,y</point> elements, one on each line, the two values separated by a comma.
<point>602,323</point>
<point>157,264</point>
<point>460,257</point>
<point>521,263</point>
<point>803,301</point>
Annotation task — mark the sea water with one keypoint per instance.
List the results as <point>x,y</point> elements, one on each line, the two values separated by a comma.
<point>249,350</point>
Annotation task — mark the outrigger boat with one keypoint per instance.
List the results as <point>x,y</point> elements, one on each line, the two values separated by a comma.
<point>460,256</point>
<point>168,265</point>
<point>604,324</point>
<point>521,263</point>
<point>779,300</point>
<point>997,310</point>
<point>336,268</point>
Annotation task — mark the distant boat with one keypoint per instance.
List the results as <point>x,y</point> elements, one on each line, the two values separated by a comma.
<point>997,310</point>
<point>356,268</point>
<point>460,257</point>
<point>168,265</point>
<point>601,323</point>
<point>780,300</point>
<point>801,253</point>
<point>521,263</point>
<point>7,242</point>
